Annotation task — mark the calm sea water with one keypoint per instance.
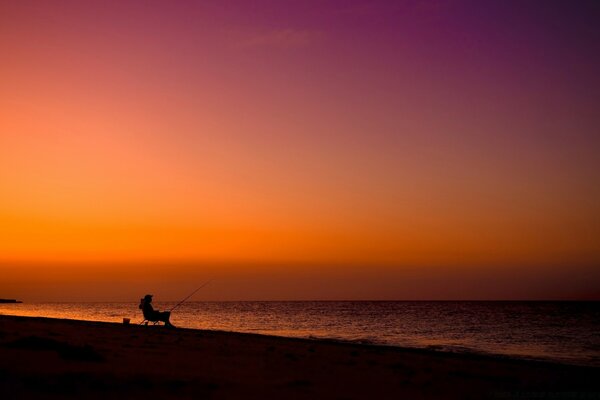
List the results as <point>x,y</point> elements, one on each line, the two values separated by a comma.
<point>567,332</point>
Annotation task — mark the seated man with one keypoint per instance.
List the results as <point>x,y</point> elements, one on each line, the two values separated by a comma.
<point>154,315</point>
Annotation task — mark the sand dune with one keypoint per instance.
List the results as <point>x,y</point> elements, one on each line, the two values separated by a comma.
<point>50,358</point>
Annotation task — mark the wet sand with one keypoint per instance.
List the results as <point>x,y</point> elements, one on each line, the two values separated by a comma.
<point>53,358</point>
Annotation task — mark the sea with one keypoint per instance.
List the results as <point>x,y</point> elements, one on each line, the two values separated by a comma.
<point>563,332</point>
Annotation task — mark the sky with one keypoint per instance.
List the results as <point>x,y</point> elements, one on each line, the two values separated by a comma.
<point>299,150</point>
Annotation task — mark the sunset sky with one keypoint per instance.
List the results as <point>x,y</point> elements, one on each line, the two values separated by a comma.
<point>300,150</point>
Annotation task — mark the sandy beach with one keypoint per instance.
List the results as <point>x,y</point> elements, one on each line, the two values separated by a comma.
<point>52,358</point>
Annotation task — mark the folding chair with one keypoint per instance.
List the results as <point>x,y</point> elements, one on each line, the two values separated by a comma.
<point>148,319</point>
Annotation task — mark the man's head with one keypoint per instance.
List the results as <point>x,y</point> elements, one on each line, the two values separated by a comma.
<point>148,298</point>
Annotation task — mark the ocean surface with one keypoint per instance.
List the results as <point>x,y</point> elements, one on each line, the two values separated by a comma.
<point>566,332</point>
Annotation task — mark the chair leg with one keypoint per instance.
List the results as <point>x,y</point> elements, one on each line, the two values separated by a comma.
<point>146,322</point>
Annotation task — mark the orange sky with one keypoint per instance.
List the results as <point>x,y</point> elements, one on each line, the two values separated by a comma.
<point>296,145</point>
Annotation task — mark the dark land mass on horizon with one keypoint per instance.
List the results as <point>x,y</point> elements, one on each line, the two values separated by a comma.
<point>9,301</point>
<point>69,358</point>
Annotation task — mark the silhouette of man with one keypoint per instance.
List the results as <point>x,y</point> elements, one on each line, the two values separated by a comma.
<point>155,315</point>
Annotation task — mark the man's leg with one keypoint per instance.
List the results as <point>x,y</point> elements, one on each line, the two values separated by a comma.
<point>165,317</point>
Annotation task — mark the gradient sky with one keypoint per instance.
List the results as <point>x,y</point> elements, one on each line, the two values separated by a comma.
<point>300,150</point>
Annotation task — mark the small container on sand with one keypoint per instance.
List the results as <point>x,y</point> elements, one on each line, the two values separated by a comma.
<point>126,321</point>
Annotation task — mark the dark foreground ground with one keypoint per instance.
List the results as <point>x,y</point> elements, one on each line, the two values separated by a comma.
<point>51,358</point>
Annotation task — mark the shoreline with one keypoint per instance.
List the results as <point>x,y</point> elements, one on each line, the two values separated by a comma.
<point>380,346</point>
<point>60,353</point>
<point>467,353</point>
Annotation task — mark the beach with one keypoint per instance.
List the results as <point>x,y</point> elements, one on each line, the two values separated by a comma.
<point>57,358</point>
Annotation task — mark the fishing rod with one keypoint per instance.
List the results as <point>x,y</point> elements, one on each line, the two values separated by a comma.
<point>194,292</point>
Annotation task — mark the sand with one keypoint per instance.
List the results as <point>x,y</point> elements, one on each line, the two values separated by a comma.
<point>52,358</point>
